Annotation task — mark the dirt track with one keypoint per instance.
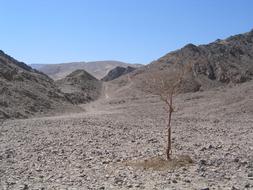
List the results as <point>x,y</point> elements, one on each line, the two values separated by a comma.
<point>86,150</point>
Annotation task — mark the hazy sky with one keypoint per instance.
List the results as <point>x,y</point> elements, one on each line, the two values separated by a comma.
<point>137,31</point>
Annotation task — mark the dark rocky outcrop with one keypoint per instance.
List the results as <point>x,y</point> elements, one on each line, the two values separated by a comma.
<point>117,72</point>
<point>25,91</point>
<point>222,62</point>
<point>80,87</point>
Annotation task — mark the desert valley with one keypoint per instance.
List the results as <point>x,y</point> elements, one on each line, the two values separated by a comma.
<point>95,126</point>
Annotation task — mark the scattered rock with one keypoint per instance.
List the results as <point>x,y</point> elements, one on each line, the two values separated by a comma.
<point>236,160</point>
<point>247,185</point>
<point>203,162</point>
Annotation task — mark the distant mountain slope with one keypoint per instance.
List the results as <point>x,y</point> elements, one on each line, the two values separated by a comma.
<point>117,72</point>
<point>80,87</point>
<point>222,62</point>
<point>98,68</point>
<point>25,91</point>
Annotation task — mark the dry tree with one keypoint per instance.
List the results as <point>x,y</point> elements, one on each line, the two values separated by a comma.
<point>166,83</point>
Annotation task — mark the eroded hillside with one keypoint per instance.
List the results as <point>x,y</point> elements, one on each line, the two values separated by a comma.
<point>220,63</point>
<point>25,91</point>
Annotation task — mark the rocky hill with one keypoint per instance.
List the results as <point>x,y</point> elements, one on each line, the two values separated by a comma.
<point>25,91</point>
<point>98,68</point>
<point>220,63</point>
<point>117,72</point>
<point>80,87</point>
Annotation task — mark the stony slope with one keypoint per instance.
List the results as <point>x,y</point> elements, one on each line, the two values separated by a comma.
<point>117,72</point>
<point>25,91</point>
<point>222,62</point>
<point>98,68</point>
<point>80,87</point>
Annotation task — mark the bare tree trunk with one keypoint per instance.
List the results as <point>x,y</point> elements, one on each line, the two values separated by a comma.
<point>168,150</point>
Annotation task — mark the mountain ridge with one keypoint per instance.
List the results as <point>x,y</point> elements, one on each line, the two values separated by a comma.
<point>96,68</point>
<point>219,63</point>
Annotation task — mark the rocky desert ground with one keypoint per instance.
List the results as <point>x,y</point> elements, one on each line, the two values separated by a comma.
<point>91,149</point>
